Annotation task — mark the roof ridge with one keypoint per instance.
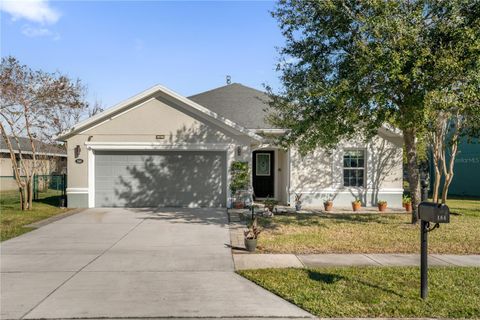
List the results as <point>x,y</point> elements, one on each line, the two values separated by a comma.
<point>225,86</point>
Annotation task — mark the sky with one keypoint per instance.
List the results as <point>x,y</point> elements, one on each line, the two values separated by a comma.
<point>120,48</point>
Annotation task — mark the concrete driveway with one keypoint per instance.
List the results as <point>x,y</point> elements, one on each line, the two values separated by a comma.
<point>122,263</point>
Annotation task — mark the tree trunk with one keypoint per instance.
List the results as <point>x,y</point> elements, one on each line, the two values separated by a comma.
<point>438,150</point>
<point>436,184</point>
<point>21,192</point>
<point>16,170</point>
<point>30,193</point>
<point>413,172</point>
<point>449,172</point>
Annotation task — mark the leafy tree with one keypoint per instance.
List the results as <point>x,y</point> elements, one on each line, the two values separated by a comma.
<point>33,104</point>
<point>452,118</point>
<point>348,67</point>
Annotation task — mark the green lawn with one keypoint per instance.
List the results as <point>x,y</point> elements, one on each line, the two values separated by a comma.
<point>370,233</point>
<point>13,220</point>
<point>375,291</point>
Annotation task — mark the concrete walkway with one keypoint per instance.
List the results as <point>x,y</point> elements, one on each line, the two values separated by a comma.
<point>119,263</point>
<point>261,261</point>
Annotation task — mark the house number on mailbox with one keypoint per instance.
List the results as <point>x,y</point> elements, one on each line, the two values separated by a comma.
<point>79,161</point>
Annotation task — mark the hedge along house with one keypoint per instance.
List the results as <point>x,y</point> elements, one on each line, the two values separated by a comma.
<point>159,148</point>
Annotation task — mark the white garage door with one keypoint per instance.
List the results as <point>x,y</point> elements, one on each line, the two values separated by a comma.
<point>160,179</point>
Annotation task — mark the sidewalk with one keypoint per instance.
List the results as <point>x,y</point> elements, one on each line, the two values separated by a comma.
<point>243,260</point>
<point>261,261</point>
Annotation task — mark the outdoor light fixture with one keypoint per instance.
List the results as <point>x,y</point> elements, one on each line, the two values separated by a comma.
<point>239,151</point>
<point>77,151</point>
<point>160,136</point>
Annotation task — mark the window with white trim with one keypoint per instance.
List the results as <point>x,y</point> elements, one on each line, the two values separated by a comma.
<point>353,168</point>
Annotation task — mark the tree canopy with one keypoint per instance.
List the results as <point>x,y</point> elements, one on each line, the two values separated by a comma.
<point>358,64</point>
<point>348,67</point>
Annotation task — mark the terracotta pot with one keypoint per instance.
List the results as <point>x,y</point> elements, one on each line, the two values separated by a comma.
<point>382,207</point>
<point>408,207</point>
<point>238,205</point>
<point>356,206</point>
<point>328,206</point>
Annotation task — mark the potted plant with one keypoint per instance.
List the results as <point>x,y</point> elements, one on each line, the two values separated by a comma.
<point>328,205</point>
<point>251,236</point>
<point>407,203</point>
<point>382,205</point>
<point>298,201</point>
<point>238,204</point>
<point>270,204</point>
<point>356,205</point>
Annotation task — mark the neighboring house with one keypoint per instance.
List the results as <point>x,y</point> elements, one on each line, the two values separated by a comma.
<point>159,148</point>
<point>50,159</point>
<point>466,178</point>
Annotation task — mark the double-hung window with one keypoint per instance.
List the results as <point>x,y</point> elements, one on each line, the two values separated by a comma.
<point>353,168</point>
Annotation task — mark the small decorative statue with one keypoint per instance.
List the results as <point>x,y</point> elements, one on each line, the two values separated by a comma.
<point>298,201</point>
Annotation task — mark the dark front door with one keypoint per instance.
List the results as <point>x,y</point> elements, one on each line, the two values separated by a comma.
<point>263,174</point>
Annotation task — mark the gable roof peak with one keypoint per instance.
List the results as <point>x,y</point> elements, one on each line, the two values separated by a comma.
<point>244,105</point>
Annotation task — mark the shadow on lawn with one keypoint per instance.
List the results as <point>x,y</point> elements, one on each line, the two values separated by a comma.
<point>52,200</point>
<point>330,278</point>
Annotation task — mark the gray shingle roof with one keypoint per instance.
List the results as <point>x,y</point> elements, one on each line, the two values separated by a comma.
<point>243,105</point>
<point>25,145</point>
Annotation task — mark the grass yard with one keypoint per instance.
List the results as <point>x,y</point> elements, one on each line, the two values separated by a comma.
<point>375,291</point>
<point>13,221</point>
<point>370,233</point>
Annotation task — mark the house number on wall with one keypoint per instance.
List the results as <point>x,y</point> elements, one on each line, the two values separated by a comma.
<point>78,161</point>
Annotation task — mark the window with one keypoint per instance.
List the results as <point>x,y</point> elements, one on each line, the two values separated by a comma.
<point>353,168</point>
<point>262,164</point>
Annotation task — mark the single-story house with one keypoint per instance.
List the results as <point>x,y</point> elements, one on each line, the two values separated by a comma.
<point>160,148</point>
<point>51,159</point>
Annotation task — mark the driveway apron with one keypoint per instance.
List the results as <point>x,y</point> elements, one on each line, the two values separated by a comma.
<point>127,263</point>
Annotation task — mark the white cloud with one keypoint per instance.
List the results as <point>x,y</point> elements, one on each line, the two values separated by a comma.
<point>36,32</point>
<point>32,10</point>
<point>32,32</point>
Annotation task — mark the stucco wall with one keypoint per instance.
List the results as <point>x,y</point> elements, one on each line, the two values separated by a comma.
<point>319,175</point>
<point>45,166</point>
<point>142,124</point>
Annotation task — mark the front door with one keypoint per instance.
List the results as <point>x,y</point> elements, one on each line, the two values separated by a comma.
<point>263,174</point>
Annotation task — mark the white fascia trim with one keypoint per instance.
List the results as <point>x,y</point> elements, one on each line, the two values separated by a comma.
<point>96,145</point>
<point>116,116</point>
<point>62,155</point>
<point>77,190</point>
<point>153,92</point>
<point>270,131</point>
<point>85,123</point>
<point>265,147</point>
<point>91,178</point>
<point>391,130</point>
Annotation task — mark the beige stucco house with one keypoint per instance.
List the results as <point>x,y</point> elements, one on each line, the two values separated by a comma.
<point>50,160</point>
<point>160,148</point>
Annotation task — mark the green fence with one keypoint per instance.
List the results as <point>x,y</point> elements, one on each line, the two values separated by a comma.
<point>44,186</point>
<point>49,185</point>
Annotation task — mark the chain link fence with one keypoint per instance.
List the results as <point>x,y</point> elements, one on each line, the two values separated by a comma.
<point>52,187</point>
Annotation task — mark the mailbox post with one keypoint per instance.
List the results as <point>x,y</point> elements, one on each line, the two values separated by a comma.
<point>424,225</point>
<point>429,212</point>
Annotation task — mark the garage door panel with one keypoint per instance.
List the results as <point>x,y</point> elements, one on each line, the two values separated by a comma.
<point>157,179</point>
